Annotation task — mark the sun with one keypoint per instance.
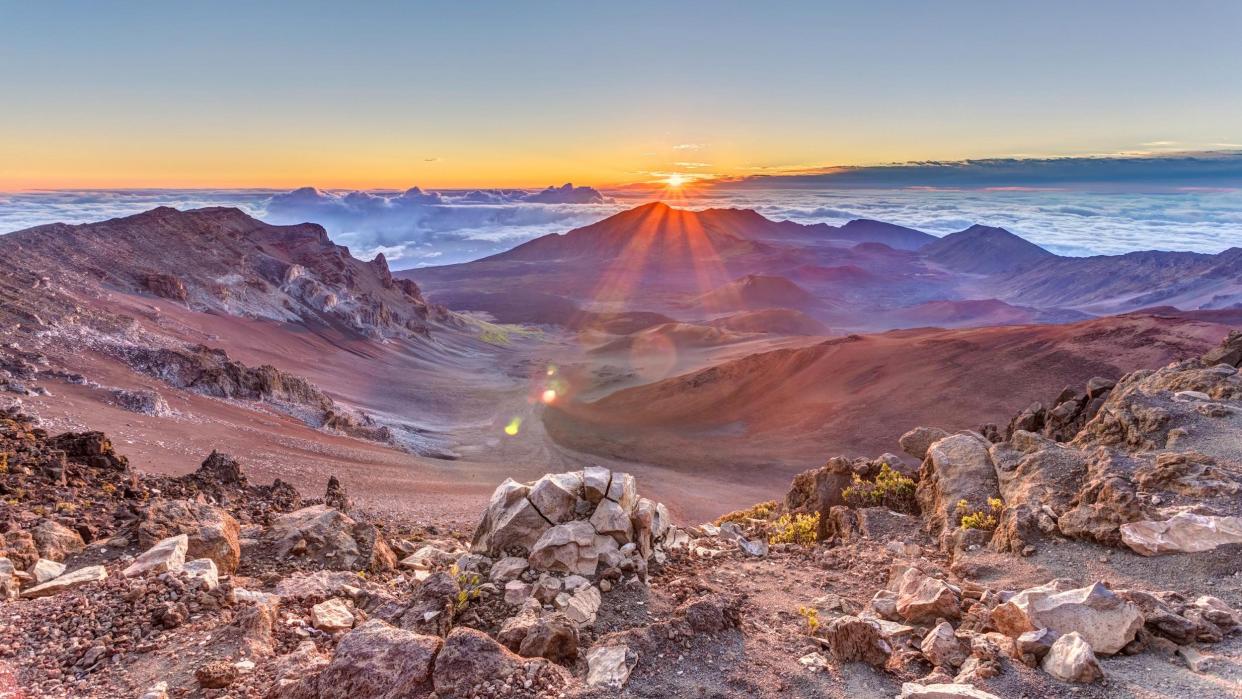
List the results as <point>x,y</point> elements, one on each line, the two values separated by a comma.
<point>676,181</point>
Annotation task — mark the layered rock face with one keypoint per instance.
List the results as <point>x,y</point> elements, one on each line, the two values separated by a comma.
<point>219,260</point>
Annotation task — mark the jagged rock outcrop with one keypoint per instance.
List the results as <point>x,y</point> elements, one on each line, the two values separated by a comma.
<point>211,531</point>
<point>580,522</point>
<point>957,468</point>
<point>331,539</point>
<point>1105,620</point>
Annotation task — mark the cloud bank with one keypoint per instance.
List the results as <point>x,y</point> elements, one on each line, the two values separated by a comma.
<point>1207,169</point>
<point>417,227</point>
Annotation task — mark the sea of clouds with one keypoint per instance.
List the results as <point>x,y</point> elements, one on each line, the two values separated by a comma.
<point>418,228</point>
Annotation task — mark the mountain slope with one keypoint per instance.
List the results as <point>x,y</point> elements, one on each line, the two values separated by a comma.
<point>984,250</point>
<point>784,409</point>
<point>221,260</point>
<point>754,292</point>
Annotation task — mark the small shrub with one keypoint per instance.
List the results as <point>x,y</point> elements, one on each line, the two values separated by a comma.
<point>811,614</point>
<point>470,584</point>
<point>795,529</point>
<point>108,488</point>
<point>980,519</point>
<point>64,506</point>
<point>889,489</point>
<point>762,511</point>
<point>4,462</point>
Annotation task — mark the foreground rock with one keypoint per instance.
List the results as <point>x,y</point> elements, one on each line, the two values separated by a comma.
<point>374,660</point>
<point>330,539</point>
<point>1105,621</point>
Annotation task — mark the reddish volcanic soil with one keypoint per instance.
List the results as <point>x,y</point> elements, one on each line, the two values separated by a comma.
<point>767,416</point>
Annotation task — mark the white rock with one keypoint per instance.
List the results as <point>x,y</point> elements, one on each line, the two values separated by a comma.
<point>595,482</point>
<point>44,570</point>
<point>566,548</point>
<point>332,615</point>
<point>1072,660</point>
<point>582,605</point>
<point>1105,621</point>
<point>158,690</point>
<point>167,555</point>
<point>203,569</point>
<point>813,661</point>
<point>910,690</point>
<point>623,490</point>
<point>610,666</point>
<point>67,581</point>
<point>609,518</point>
<point>1183,533</point>
<point>556,494</point>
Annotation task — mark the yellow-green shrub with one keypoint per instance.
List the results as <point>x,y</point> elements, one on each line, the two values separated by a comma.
<point>763,510</point>
<point>795,529</point>
<point>889,489</point>
<point>980,519</point>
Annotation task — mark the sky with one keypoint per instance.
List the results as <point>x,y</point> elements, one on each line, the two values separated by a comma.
<point>502,94</point>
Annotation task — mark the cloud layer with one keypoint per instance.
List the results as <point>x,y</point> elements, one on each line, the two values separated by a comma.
<point>417,228</point>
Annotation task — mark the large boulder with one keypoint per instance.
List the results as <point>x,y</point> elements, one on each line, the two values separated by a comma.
<point>578,522</point>
<point>511,522</point>
<point>471,660</point>
<point>958,467</point>
<point>211,532</point>
<point>1183,533</point>
<point>55,541</point>
<point>917,441</point>
<point>1103,619</point>
<point>373,660</point>
<point>330,538</point>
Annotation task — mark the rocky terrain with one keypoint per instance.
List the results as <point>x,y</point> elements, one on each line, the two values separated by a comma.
<point>1086,547</point>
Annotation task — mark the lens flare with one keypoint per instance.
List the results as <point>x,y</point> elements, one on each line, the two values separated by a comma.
<point>514,425</point>
<point>549,396</point>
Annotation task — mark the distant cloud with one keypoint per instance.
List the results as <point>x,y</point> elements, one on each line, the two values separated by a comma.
<point>692,165</point>
<point>1165,171</point>
<point>690,146</point>
<point>431,160</point>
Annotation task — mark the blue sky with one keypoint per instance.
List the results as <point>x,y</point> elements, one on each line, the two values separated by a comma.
<point>526,94</point>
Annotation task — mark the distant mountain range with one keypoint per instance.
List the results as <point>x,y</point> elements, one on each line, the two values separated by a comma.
<point>864,275</point>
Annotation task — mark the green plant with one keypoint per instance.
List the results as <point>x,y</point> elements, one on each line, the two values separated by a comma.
<point>795,529</point>
<point>980,519</point>
<point>762,511</point>
<point>889,489</point>
<point>811,614</point>
<point>469,585</point>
